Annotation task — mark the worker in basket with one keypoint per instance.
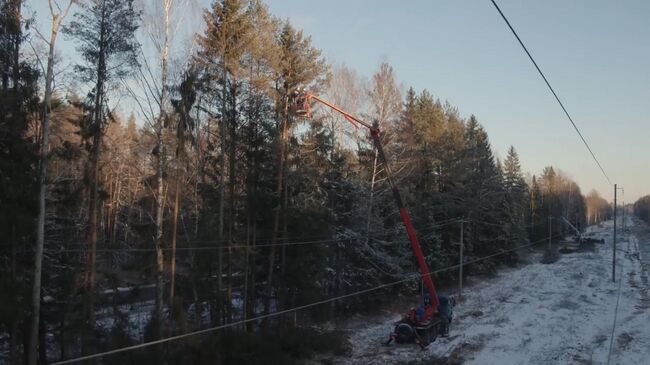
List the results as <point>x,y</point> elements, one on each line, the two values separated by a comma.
<point>425,312</point>
<point>446,312</point>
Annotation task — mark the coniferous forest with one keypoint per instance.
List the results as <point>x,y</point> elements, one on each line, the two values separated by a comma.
<point>147,192</point>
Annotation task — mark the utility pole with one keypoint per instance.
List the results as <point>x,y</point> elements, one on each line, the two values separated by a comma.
<point>624,209</point>
<point>460,271</point>
<point>624,234</point>
<point>614,241</point>
<point>549,233</point>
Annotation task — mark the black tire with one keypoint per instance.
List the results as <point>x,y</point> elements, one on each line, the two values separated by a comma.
<point>429,334</point>
<point>404,333</point>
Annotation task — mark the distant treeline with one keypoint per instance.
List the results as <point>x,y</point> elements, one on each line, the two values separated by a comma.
<point>642,208</point>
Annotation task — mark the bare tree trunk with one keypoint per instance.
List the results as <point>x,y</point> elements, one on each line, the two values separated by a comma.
<point>172,286</point>
<point>253,285</point>
<point>91,233</point>
<point>42,348</point>
<point>200,179</point>
<point>160,260</point>
<point>372,194</point>
<point>222,186</point>
<point>250,260</point>
<point>284,137</point>
<point>5,81</point>
<point>231,192</point>
<point>116,212</point>
<point>246,270</point>
<point>42,180</point>
<point>14,321</point>
<point>282,300</point>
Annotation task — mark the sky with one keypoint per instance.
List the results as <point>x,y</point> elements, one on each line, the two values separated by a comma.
<point>595,53</point>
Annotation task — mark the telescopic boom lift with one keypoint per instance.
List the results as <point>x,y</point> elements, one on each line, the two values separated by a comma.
<point>302,104</point>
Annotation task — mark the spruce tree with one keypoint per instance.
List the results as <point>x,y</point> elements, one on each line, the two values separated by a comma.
<point>105,33</point>
<point>516,196</point>
<point>299,65</point>
<point>484,194</point>
<point>228,33</point>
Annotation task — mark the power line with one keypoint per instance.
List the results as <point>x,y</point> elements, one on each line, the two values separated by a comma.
<point>503,224</point>
<point>292,239</point>
<point>552,90</point>
<point>410,277</point>
<point>383,233</point>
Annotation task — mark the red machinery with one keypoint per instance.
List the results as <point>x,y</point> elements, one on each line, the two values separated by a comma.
<point>408,328</point>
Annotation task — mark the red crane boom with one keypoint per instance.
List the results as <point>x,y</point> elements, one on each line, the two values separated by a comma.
<point>303,108</point>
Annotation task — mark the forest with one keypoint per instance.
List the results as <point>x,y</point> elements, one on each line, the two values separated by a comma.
<point>147,191</point>
<point>642,208</point>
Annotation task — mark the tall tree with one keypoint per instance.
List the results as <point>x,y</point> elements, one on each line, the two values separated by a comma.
<point>105,32</point>
<point>58,16</point>
<point>224,43</point>
<point>386,103</point>
<point>346,89</point>
<point>300,65</point>
<point>385,96</point>
<point>598,209</point>
<point>182,105</point>
<point>484,194</point>
<point>516,196</point>
<point>162,19</point>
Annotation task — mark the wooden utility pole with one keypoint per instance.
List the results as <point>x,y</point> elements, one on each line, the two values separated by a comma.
<point>550,233</point>
<point>624,209</point>
<point>614,241</point>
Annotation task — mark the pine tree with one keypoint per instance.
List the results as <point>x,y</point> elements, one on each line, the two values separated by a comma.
<point>300,65</point>
<point>105,32</point>
<point>223,45</point>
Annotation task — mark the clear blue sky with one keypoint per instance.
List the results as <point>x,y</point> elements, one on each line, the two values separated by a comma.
<point>596,54</point>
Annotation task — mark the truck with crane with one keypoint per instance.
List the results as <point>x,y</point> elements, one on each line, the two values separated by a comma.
<point>432,318</point>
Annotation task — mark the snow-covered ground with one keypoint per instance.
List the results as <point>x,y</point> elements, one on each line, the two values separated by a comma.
<point>560,313</point>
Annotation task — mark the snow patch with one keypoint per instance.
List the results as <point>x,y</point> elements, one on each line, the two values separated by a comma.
<point>559,313</point>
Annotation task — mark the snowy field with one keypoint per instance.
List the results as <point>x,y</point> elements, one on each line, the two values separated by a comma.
<point>560,313</point>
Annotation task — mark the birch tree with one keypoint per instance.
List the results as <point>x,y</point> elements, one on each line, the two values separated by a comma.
<point>162,23</point>
<point>57,15</point>
<point>386,101</point>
